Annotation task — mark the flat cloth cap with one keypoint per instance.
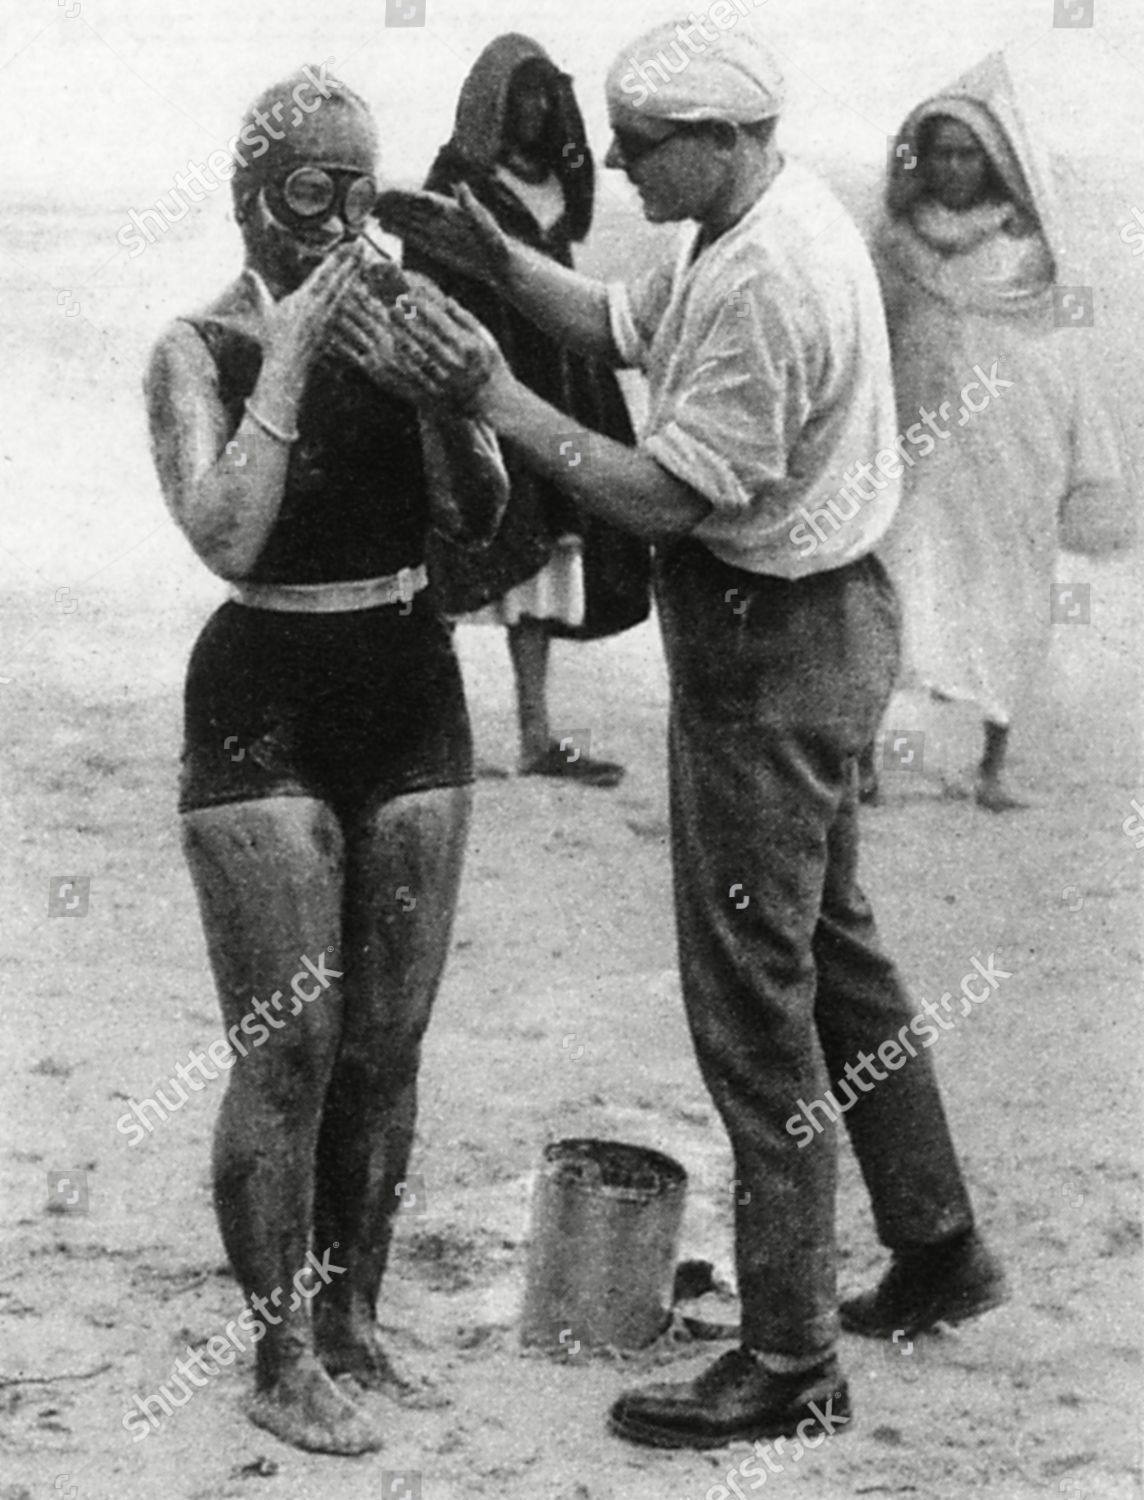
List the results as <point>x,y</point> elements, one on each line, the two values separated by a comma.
<point>691,70</point>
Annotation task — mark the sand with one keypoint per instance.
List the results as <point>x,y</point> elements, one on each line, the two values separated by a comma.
<point>559,1016</point>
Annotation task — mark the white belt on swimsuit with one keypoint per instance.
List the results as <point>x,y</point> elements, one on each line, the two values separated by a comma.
<point>332,598</point>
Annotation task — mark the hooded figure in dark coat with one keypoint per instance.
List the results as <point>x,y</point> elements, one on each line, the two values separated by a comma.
<point>519,144</point>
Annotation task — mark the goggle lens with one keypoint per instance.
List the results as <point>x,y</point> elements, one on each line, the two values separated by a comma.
<point>312,193</point>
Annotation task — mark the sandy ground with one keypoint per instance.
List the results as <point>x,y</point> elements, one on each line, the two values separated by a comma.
<point>564,932</point>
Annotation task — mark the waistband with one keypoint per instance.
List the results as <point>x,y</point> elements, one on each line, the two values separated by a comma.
<point>332,598</point>
<point>695,556</point>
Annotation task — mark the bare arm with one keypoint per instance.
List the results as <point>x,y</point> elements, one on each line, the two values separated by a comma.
<point>573,309</point>
<point>466,477</point>
<point>620,484</point>
<point>225,488</point>
<point>463,235</point>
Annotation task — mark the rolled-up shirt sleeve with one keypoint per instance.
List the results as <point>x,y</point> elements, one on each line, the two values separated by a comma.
<point>625,334</point>
<point>729,421</point>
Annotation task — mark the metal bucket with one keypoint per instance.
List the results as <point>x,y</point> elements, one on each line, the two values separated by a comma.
<point>606,1219</point>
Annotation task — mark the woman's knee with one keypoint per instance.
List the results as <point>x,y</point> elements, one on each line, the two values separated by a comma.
<point>279,1092</point>
<point>384,1053</point>
<point>269,879</point>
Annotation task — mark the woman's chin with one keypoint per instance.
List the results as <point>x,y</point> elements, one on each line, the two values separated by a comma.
<point>313,255</point>
<point>286,269</point>
<point>304,261</point>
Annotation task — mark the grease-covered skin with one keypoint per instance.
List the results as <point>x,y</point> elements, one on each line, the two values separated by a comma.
<point>291,453</point>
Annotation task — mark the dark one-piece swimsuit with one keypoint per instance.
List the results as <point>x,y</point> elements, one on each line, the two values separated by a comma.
<point>353,708</point>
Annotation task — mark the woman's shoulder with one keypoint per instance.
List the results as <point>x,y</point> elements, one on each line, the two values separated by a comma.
<point>178,350</point>
<point>236,313</point>
<point>188,348</point>
<point>241,306</point>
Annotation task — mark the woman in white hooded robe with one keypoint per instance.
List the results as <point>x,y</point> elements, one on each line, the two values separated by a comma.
<point>970,253</point>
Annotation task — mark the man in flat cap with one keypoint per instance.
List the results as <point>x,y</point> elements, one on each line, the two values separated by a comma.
<point>767,470</point>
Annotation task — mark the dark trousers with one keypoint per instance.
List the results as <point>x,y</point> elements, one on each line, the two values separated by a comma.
<point>775,688</point>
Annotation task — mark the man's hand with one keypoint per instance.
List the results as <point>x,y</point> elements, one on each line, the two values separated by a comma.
<point>363,330</point>
<point>362,335</point>
<point>460,234</point>
<point>450,357</point>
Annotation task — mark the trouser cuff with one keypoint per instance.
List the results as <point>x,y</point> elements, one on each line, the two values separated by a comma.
<point>792,1364</point>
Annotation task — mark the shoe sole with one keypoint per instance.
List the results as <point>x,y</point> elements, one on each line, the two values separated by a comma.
<point>951,1316</point>
<point>666,1437</point>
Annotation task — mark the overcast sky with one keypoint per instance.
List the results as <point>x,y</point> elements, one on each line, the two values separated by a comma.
<point>106,99</point>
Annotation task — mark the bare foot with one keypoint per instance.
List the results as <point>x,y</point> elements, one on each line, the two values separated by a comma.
<point>994,795</point>
<point>306,1409</point>
<point>362,1358</point>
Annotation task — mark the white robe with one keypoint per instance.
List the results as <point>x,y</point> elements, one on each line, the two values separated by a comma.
<point>973,548</point>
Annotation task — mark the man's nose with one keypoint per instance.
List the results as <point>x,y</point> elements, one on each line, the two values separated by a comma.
<point>615,157</point>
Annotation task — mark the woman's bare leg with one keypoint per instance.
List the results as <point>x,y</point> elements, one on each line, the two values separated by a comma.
<point>528,646</point>
<point>992,789</point>
<point>869,791</point>
<point>403,871</point>
<point>269,879</point>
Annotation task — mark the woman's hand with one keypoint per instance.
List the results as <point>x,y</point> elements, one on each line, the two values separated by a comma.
<point>297,325</point>
<point>449,357</point>
<point>460,233</point>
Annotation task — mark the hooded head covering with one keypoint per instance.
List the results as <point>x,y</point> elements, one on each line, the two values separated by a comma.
<point>336,130</point>
<point>670,74</point>
<point>482,115</point>
<point>984,100</point>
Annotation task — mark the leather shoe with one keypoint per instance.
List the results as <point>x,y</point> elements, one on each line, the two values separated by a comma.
<point>734,1398</point>
<point>945,1283</point>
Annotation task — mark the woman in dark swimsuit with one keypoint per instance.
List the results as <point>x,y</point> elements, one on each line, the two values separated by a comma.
<point>327,765</point>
